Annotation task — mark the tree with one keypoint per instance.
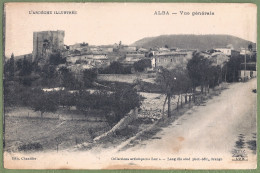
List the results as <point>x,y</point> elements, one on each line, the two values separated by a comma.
<point>27,67</point>
<point>198,68</point>
<point>213,76</point>
<point>173,82</point>
<point>142,64</point>
<point>66,98</point>
<point>44,102</point>
<point>116,68</point>
<point>9,68</point>
<point>250,47</point>
<point>68,80</point>
<point>122,101</point>
<point>56,59</point>
<point>10,93</point>
<point>89,76</point>
<point>19,64</point>
<point>49,76</point>
<point>83,101</point>
<point>114,105</point>
<point>233,67</point>
<point>150,54</point>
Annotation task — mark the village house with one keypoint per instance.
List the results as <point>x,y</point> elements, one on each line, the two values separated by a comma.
<point>170,60</point>
<point>78,69</point>
<point>95,60</point>
<point>248,70</point>
<point>125,48</point>
<point>142,50</point>
<point>161,50</point>
<point>228,51</point>
<point>135,54</point>
<point>107,48</point>
<point>132,57</point>
<point>187,50</point>
<point>74,46</point>
<point>172,49</point>
<point>95,49</point>
<point>244,51</point>
<point>79,48</point>
<point>113,57</point>
<point>115,46</point>
<point>248,66</point>
<point>218,58</point>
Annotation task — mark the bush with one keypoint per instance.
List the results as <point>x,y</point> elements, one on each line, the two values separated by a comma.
<point>127,131</point>
<point>44,102</point>
<point>16,95</point>
<point>115,104</point>
<point>89,76</point>
<point>141,65</point>
<point>30,147</point>
<point>116,68</point>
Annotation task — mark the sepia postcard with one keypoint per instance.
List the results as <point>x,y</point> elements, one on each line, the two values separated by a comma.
<point>158,86</point>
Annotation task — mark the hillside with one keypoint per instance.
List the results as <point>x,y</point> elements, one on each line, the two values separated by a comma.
<point>201,42</point>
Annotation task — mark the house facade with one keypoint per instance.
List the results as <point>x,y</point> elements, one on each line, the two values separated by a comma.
<point>170,60</point>
<point>226,51</point>
<point>95,60</point>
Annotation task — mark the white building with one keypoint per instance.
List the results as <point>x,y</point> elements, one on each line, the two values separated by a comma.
<point>226,51</point>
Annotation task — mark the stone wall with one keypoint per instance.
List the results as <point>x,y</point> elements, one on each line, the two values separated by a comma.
<point>121,124</point>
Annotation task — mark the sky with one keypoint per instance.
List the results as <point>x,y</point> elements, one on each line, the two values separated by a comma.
<point>109,23</point>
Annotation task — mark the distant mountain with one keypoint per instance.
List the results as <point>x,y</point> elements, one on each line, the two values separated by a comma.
<point>201,42</point>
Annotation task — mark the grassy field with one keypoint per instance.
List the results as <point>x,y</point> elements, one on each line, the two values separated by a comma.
<point>48,132</point>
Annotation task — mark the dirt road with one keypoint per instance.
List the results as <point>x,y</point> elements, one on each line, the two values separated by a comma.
<point>212,129</point>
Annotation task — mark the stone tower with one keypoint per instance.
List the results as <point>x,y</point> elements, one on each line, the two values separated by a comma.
<point>45,43</point>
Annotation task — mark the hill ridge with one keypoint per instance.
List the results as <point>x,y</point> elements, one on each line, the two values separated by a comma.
<point>193,41</point>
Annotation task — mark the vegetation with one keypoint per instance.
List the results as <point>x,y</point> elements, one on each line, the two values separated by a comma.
<point>43,102</point>
<point>30,147</point>
<point>56,59</point>
<point>115,105</point>
<point>89,76</point>
<point>68,79</point>
<point>142,64</point>
<point>9,68</point>
<point>173,82</point>
<point>115,68</point>
<point>24,81</point>
<point>202,73</point>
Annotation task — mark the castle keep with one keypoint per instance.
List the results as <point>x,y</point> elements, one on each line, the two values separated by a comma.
<point>45,43</point>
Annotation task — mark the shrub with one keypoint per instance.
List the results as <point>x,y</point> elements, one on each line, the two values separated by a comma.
<point>30,147</point>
